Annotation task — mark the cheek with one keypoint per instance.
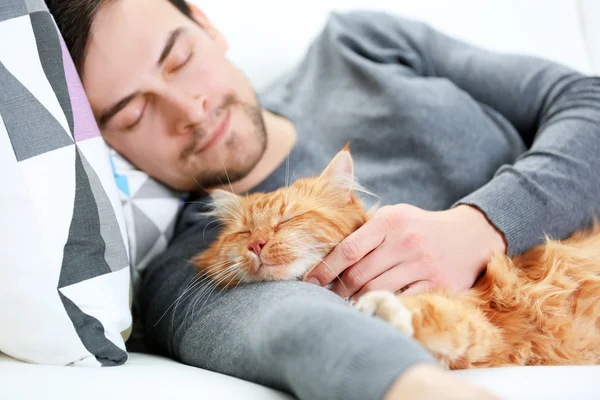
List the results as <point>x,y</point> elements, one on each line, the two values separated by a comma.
<point>233,257</point>
<point>288,246</point>
<point>209,76</point>
<point>304,254</point>
<point>234,251</point>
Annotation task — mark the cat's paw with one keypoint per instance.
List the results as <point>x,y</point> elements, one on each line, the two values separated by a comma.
<point>389,307</point>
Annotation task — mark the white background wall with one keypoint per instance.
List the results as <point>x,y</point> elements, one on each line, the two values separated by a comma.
<point>267,36</point>
<point>590,17</point>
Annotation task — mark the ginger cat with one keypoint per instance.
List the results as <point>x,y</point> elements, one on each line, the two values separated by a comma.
<point>538,308</point>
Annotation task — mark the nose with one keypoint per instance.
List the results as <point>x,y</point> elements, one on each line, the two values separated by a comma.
<point>191,111</point>
<point>256,246</point>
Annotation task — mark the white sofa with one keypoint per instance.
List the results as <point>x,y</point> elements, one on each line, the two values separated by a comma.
<point>266,37</point>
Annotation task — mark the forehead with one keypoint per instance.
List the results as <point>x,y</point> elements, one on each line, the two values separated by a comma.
<point>293,199</point>
<point>125,40</point>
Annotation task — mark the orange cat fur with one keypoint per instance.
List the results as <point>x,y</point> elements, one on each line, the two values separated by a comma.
<point>283,234</point>
<point>538,308</point>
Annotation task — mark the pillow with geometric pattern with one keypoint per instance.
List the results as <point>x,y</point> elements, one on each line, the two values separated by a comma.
<point>65,291</point>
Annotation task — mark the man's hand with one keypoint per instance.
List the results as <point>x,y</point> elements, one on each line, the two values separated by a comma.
<point>430,382</point>
<point>405,247</point>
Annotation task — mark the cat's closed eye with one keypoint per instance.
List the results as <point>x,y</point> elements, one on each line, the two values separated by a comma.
<point>283,221</point>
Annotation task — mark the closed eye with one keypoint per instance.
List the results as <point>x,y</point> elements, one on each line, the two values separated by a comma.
<point>284,221</point>
<point>183,64</point>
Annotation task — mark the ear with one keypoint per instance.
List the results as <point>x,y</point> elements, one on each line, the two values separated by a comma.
<point>340,170</point>
<point>226,205</point>
<point>200,17</point>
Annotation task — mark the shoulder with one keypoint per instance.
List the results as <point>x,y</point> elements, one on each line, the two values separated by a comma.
<point>371,22</point>
<point>383,36</point>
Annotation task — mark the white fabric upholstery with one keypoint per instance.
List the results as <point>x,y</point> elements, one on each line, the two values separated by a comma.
<point>544,383</point>
<point>150,377</point>
<point>143,377</point>
<point>590,18</point>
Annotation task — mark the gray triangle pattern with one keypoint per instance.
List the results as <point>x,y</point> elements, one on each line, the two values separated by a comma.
<point>12,9</point>
<point>116,252</point>
<point>146,233</point>
<point>152,190</point>
<point>83,255</point>
<point>91,333</point>
<point>50,50</point>
<point>36,5</point>
<point>32,129</point>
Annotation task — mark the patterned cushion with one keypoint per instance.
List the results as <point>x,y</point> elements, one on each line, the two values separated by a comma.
<point>64,263</point>
<point>151,211</point>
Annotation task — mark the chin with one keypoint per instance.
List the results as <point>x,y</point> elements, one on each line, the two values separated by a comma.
<point>245,154</point>
<point>294,271</point>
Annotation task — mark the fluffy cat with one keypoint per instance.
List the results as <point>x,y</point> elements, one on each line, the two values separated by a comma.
<point>538,308</point>
<point>284,234</point>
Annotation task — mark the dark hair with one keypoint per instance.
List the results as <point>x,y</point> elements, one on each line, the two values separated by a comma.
<point>74,19</point>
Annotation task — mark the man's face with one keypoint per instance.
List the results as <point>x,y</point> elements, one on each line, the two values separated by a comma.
<point>166,97</point>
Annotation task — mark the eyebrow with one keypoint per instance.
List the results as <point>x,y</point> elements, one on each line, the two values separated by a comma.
<point>169,45</point>
<point>121,104</point>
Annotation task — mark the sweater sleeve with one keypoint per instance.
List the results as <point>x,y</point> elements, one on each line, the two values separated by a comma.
<point>293,336</point>
<point>553,188</point>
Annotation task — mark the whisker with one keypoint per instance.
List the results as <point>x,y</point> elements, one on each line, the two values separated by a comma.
<point>240,271</point>
<point>198,183</point>
<point>195,281</point>
<point>205,203</point>
<point>216,284</point>
<point>207,225</point>
<point>229,181</point>
<point>287,170</point>
<point>211,283</point>
<point>318,246</point>
<point>287,173</point>
<point>176,302</point>
<point>330,268</point>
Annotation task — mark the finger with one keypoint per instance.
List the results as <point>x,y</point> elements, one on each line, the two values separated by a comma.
<point>393,280</point>
<point>368,268</point>
<point>348,252</point>
<point>418,288</point>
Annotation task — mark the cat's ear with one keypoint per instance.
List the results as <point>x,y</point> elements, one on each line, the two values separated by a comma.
<point>340,171</point>
<point>226,205</point>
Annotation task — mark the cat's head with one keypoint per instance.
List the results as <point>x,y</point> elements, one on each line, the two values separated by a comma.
<point>282,235</point>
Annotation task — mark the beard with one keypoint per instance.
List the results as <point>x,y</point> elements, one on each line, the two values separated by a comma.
<point>240,160</point>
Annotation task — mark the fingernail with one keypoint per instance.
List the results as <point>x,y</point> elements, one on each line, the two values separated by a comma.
<point>314,281</point>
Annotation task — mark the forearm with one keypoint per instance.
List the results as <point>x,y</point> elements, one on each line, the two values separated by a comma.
<point>289,335</point>
<point>552,189</point>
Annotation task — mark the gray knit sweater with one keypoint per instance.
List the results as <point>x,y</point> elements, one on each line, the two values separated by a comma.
<point>432,122</point>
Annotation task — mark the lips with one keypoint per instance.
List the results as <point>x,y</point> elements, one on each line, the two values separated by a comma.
<point>216,135</point>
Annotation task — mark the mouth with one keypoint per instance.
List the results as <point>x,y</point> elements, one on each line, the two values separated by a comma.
<point>265,265</point>
<point>217,135</point>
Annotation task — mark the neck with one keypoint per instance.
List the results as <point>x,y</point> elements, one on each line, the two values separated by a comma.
<point>281,138</point>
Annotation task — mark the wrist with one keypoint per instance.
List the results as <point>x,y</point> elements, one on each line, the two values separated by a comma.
<point>486,236</point>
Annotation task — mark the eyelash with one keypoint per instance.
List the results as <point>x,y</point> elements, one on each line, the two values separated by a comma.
<point>278,226</point>
<point>183,64</point>
<point>133,125</point>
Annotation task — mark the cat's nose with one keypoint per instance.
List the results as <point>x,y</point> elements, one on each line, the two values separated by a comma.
<point>256,246</point>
